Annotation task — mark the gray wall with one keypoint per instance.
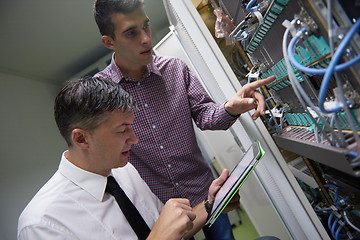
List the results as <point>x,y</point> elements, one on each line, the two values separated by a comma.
<point>30,147</point>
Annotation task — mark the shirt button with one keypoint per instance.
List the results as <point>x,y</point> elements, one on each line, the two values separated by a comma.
<point>146,105</point>
<point>169,165</point>
<point>153,126</point>
<point>138,83</point>
<point>177,184</point>
<point>161,147</point>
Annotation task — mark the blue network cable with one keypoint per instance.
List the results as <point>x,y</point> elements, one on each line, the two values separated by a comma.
<point>339,236</point>
<point>323,210</point>
<point>336,200</point>
<point>335,232</point>
<point>334,226</point>
<point>332,68</point>
<point>250,8</point>
<point>330,220</point>
<point>298,90</point>
<point>268,99</point>
<point>329,71</point>
<point>352,154</point>
<point>316,71</point>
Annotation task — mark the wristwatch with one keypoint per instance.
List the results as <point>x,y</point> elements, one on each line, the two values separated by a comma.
<point>208,205</point>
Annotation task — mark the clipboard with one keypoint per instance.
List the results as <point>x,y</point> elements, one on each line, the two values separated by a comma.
<point>235,180</point>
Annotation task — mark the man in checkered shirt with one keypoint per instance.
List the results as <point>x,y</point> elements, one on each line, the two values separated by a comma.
<point>169,97</point>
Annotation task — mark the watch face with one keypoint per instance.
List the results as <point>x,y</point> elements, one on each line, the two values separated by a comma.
<point>208,206</point>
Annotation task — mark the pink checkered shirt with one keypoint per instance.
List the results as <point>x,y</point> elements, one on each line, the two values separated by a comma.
<point>167,156</point>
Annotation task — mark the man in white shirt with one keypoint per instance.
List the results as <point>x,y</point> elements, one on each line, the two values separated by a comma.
<point>95,117</point>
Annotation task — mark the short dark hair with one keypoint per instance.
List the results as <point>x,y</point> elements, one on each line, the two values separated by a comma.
<point>82,103</point>
<point>104,9</point>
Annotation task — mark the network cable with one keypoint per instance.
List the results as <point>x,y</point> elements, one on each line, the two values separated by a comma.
<point>328,73</point>
<point>317,71</point>
<point>333,226</point>
<point>341,94</point>
<point>299,91</point>
<point>335,121</point>
<point>339,211</point>
<point>350,223</point>
<point>332,67</point>
<point>330,220</point>
<point>298,88</point>
<point>337,234</point>
<point>250,8</point>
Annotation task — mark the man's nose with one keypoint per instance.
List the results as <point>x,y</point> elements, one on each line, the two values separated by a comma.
<point>145,37</point>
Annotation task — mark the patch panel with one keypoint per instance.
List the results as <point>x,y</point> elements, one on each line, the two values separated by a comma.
<point>270,17</point>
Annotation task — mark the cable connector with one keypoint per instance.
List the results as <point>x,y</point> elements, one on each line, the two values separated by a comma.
<point>305,20</point>
<point>335,209</point>
<point>252,77</point>
<point>291,26</point>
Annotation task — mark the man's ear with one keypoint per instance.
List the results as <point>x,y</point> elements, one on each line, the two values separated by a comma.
<point>108,42</point>
<point>79,138</point>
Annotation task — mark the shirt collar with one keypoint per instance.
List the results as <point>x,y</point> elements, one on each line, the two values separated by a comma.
<point>119,76</point>
<point>152,68</point>
<point>92,183</point>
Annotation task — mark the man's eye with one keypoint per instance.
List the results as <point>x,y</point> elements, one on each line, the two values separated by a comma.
<point>131,33</point>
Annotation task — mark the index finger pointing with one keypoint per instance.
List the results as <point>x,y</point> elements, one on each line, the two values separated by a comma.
<point>261,82</point>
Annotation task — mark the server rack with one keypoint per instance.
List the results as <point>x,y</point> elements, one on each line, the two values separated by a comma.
<point>300,182</point>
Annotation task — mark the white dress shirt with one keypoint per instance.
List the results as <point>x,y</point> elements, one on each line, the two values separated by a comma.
<point>73,205</point>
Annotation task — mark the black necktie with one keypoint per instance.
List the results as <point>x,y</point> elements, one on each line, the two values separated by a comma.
<point>127,207</point>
